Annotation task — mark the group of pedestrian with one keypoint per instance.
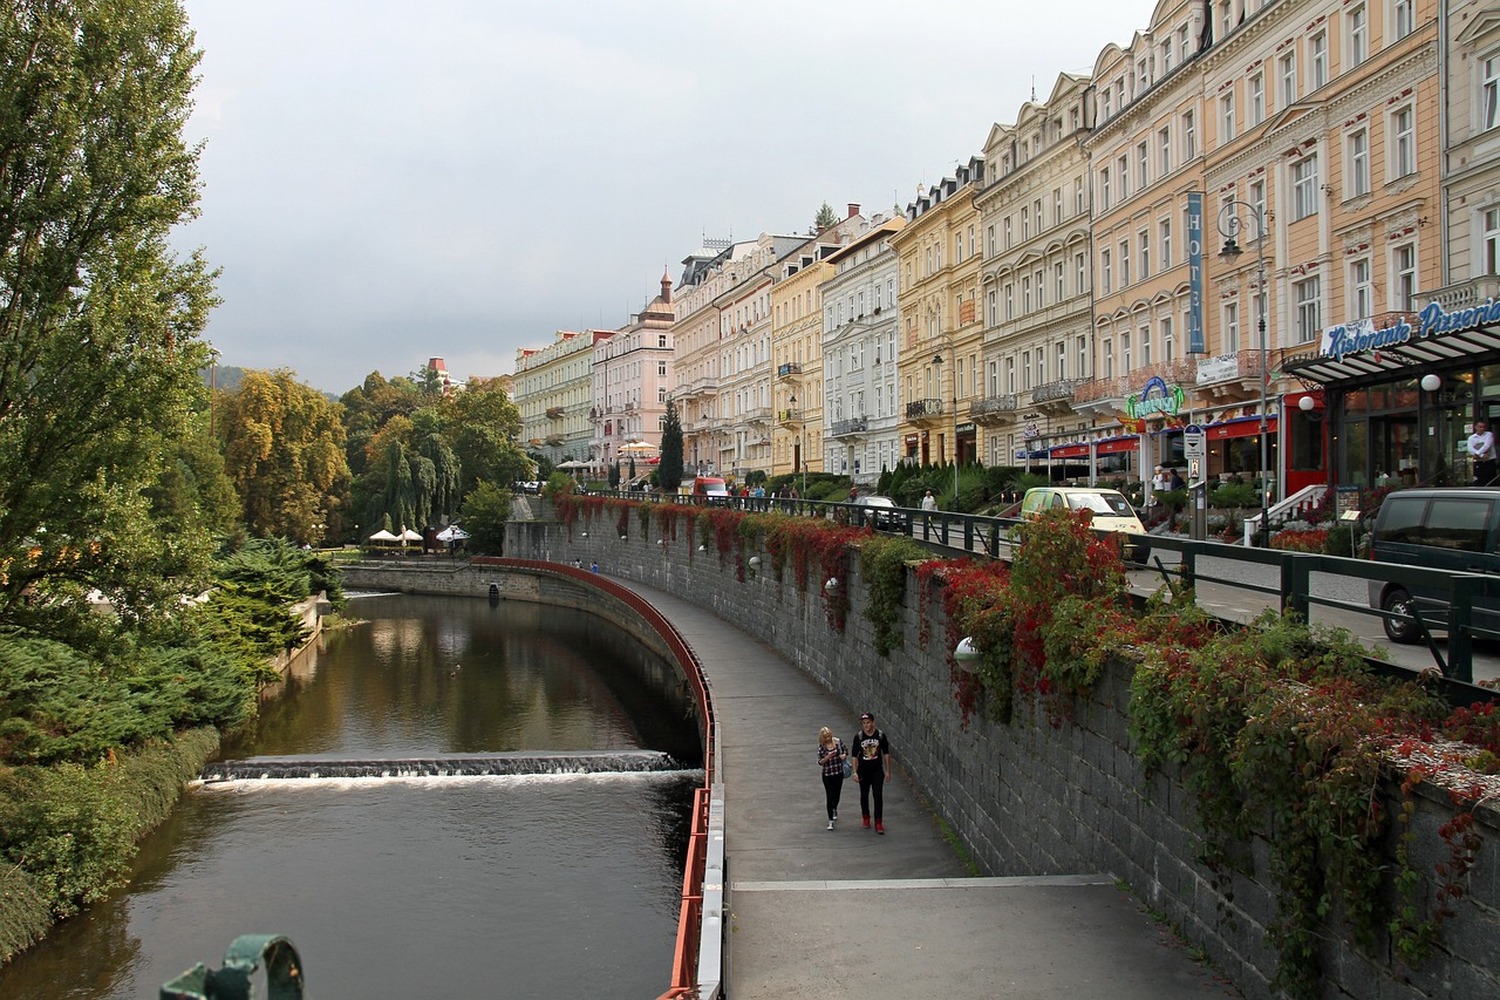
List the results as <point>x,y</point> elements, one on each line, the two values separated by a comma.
<point>869,763</point>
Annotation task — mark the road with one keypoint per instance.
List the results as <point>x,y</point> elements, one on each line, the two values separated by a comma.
<point>1242,604</point>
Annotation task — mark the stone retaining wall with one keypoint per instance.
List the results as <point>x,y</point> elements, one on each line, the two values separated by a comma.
<point>1028,798</point>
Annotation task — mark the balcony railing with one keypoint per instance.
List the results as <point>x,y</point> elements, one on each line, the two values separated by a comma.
<point>994,406</point>
<point>855,425</point>
<point>1060,391</point>
<point>554,412</point>
<point>1462,295</point>
<point>788,370</point>
<point>919,408</point>
<point>789,416</point>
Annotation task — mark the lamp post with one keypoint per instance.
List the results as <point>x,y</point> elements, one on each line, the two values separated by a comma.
<point>1229,226</point>
<point>802,451</point>
<point>937,359</point>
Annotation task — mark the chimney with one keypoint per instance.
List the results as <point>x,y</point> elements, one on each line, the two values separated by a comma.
<point>853,209</point>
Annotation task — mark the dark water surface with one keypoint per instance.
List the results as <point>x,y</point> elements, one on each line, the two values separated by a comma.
<point>514,886</point>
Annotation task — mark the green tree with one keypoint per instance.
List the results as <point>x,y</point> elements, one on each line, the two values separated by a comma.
<point>284,449</point>
<point>486,509</point>
<point>826,218</point>
<point>483,426</point>
<point>368,407</point>
<point>100,322</point>
<point>669,471</point>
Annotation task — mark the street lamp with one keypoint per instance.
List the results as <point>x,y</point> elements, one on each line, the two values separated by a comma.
<point>1229,226</point>
<point>937,359</point>
<point>802,452</point>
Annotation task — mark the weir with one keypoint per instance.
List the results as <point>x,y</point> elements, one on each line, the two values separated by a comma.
<point>461,765</point>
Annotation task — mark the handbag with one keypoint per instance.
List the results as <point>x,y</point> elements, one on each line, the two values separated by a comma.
<point>848,770</point>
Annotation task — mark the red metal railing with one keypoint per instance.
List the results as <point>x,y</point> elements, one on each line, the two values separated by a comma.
<point>685,972</point>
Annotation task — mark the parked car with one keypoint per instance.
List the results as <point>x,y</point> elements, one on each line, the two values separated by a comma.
<point>881,513</point>
<point>1457,530</point>
<point>1111,511</point>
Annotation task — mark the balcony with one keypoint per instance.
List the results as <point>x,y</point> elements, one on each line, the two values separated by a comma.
<point>855,425</point>
<point>555,412</point>
<point>789,370</point>
<point>1060,391</point>
<point>1462,295</point>
<point>924,410</point>
<point>1230,377</point>
<point>556,439</point>
<point>994,411</point>
<point>789,418</point>
<point>757,415</point>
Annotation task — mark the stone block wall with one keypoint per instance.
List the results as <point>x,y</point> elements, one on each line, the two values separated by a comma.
<point>1033,798</point>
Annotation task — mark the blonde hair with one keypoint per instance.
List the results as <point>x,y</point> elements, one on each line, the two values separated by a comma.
<point>825,735</point>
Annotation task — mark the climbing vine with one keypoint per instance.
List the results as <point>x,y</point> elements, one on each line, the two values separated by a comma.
<point>882,567</point>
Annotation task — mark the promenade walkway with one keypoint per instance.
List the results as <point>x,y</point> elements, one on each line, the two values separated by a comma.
<point>852,914</point>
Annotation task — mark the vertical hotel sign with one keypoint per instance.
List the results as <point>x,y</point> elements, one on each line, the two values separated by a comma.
<point>1195,272</point>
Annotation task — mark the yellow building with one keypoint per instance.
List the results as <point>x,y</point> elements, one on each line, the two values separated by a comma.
<point>1146,158</point>
<point>1037,285</point>
<point>554,391</point>
<point>939,256</point>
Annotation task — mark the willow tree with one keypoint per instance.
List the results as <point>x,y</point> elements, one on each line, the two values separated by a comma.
<point>100,322</point>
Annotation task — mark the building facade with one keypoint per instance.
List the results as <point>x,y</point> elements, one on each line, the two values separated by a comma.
<point>860,326</point>
<point>942,338</point>
<point>632,374</point>
<point>554,391</point>
<point>1037,284</point>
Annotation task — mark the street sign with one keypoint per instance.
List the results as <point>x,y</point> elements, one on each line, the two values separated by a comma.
<point>1194,442</point>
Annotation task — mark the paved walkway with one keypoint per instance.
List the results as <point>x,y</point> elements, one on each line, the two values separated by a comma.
<point>849,913</point>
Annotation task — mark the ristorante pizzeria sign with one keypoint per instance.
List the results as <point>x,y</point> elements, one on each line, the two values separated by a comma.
<point>1361,336</point>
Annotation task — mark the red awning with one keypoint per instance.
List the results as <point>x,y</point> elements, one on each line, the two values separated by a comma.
<point>1238,427</point>
<point>1112,446</point>
<point>1070,451</point>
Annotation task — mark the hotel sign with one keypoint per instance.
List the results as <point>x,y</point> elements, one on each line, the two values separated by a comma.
<point>1361,336</point>
<point>1195,272</point>
<point>1155,400</point>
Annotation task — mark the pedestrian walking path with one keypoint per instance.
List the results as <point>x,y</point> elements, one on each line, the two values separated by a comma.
<point>851,913</point>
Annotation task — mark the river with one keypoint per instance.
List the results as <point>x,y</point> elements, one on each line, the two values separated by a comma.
<point>513,885</point>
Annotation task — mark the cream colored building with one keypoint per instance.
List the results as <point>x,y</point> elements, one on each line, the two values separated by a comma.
<point>1146,157</point>
<point>1321,124</point>
<point>554,391</point>
<point>1471,168</point>
<point>942,338</point>
<point>1037,290</point>
<point>862,407</point>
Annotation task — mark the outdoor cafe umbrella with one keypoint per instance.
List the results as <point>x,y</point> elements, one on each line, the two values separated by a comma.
<point>384,536</point>
<point>637,447</point>
<point>452,533</point>
<point>408,535</point>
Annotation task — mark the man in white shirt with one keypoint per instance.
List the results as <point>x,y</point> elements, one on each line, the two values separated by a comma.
<point>1482,450</point>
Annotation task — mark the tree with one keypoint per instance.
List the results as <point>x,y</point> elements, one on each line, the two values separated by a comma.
<point>100,322</point>
<point>826,218</point>
<point>669,472</point>
<point>486,509</point>
<point>367,408</point>
<point>483,426</point>
<point>284,449</point>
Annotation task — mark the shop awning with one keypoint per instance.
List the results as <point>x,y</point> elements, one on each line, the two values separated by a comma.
<point>1113,446</point>
<point>1238,427</point>
<point>1410,359</point>
<point>1070,451</point>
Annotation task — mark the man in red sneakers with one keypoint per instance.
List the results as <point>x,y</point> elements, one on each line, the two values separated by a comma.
<point>872,751</point>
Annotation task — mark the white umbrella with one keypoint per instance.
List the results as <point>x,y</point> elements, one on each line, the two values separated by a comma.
<point>452,533</point>
<point>408,535</point>
<point>636,447</point>
<point>573,465</point>
<point>384,536</point>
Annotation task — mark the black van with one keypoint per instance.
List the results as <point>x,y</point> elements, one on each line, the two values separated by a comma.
<point>1457,530</point>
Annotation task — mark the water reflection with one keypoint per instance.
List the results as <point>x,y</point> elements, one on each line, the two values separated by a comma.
<point>432,887</point>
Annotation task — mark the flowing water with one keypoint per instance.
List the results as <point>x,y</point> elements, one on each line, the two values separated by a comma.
<point>560,880</point>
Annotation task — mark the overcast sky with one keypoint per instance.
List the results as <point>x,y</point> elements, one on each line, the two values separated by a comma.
<point>387,181</point>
